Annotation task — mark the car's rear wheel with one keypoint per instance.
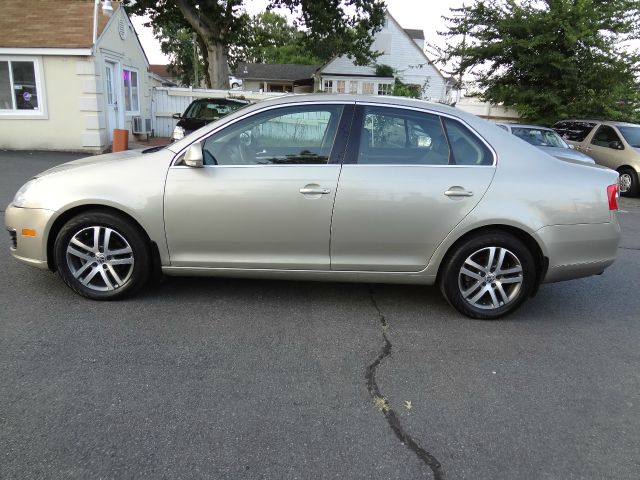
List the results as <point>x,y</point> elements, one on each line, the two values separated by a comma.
<point>489,275</point>
<point>102,255</point>
<point>628,182</point>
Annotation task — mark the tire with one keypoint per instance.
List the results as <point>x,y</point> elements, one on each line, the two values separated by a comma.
<point>235,85</point>
<point>628,182</point>
<point>102,272</point>
<point>485,285</point>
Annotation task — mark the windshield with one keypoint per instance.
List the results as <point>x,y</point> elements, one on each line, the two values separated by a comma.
<point>540,137</point>
<point>211,109</point>
<point>631,135</point>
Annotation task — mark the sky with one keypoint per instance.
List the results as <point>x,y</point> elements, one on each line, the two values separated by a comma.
<point>418,14</point>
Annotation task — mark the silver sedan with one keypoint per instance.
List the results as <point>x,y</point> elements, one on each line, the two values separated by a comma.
<point>321,187</point>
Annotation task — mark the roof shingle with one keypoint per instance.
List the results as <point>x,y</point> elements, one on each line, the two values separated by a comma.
<point>275,71</point>
<point>49,23</point>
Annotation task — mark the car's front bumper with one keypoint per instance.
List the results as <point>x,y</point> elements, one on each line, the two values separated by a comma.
<point>576,251</point>
<point>28,230</point>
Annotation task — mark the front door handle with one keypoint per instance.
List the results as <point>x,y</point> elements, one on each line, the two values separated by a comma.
<point>458,193</point>
<point>315,191</point>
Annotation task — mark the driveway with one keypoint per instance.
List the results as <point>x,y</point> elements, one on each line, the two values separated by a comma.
<point>220,378</point>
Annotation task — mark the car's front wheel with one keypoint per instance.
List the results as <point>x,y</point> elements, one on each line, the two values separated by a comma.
<point>489,275</point>
<point>628,182</point>
<point>102,255</point>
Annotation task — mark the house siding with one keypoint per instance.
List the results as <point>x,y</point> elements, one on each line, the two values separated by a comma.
<point>400,52</point>
<point>73,93</point>
<point>60,128</point>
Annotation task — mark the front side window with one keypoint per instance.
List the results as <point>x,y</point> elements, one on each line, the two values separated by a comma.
<point>131,100</point>
<point>396,136</point>
<point>18,86</point>
<point>605,136</point>
<point>285,136</point>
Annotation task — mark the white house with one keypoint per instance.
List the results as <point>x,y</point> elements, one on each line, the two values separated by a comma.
<point>402,50</point>
<point>71,71</point>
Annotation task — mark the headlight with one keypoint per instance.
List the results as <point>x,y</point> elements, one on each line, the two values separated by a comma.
<point>178,133</point>
<point>22,195</point>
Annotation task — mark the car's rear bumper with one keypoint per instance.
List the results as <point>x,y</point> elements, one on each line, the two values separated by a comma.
<point>28,229</point>
<point>576,251</point>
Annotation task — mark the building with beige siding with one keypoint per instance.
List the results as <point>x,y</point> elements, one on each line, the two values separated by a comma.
<point>71,71</point>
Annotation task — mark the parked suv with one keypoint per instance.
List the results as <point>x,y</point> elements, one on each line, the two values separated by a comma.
<point>613,144</point>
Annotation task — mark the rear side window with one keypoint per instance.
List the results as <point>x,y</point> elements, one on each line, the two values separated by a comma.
<point>404,137</point>
<point>466,148</point>
<point>574,131</point>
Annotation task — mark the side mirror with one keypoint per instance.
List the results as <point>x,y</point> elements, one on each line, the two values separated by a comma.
<point>193,157</point>
<point>616,145</point>
<point>177,116</point>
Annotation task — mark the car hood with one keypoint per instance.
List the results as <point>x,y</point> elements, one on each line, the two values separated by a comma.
<point>567,154</point>
<point>94,160</point>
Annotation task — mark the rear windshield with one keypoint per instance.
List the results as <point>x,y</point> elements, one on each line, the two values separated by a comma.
<point>211,109</point>
<point>574,131</point>
<point>539,137</point>
<point>631,135</point>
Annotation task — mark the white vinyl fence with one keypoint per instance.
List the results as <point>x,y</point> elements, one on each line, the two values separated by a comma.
<point>169,100</point>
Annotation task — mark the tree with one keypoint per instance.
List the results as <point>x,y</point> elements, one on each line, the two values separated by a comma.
<point>269,38</point>
<point>344,27</point>
<point>550,59</point>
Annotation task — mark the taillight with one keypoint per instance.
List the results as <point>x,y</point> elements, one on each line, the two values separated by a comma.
<point>612,195</point>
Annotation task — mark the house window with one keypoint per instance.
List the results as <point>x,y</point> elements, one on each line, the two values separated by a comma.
<point>19,86</point>
<point>131,101</point>
<point>353,87</point>
<point>341,86</point>
<point>367,88</point>
<point>328,86</point>
<point>385,89</point>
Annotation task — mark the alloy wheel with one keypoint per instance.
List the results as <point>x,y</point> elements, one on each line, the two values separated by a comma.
<point>624,182</point>
<point>100,258</point>
<point>490,278</point>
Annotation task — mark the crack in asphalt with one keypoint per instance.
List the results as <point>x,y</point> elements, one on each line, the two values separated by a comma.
<point>383,404</point>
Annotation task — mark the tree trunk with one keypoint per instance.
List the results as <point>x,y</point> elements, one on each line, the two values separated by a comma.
<point>217,66</point>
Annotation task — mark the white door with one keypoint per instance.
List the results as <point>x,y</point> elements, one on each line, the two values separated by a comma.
<point>111,99</point>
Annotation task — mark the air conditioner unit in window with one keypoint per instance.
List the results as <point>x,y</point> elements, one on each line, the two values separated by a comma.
<point>141,125</point>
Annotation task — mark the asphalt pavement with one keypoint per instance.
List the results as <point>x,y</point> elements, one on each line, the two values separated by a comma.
<point>248,379</point>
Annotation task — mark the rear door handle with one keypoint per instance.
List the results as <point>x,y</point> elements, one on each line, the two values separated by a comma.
<point>458,193</point>
<point>315,191</point>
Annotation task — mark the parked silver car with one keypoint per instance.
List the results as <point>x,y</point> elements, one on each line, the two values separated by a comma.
<point>326,187</point>
<point>547,140</point>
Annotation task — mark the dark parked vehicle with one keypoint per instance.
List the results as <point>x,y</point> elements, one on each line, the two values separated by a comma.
<point>203,111</point>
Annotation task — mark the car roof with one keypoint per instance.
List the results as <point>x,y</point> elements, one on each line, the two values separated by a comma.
<point>221,100</point>
<point>604,122</point>
<point>522,125</point>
